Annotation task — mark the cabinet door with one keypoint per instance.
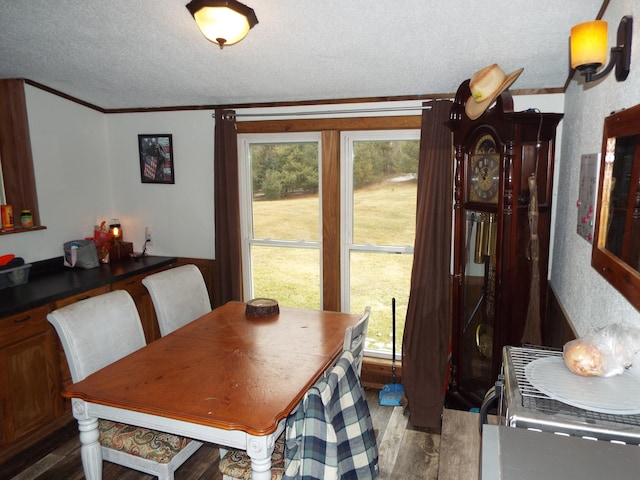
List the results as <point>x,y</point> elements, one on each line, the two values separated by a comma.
<point>29,393</point>
<point>143,302</point>
<point>63,302</point>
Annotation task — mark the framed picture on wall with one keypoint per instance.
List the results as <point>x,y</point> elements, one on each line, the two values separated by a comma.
<point>156,158</point>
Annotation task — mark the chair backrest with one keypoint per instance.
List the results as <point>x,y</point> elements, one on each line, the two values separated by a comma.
<point>98,331</point>
<point>331,435</point>
<point>179,296</point>
<point>354,339</point>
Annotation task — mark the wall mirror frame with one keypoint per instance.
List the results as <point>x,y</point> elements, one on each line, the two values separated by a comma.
<point>616,245</point>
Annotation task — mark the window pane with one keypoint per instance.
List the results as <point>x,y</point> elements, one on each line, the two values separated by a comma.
<point>376,278</point>
<point>382,169</point>
<point>284,179</point>
<point>280,199</point>
<point>289,275</point>
<point>384,182</point>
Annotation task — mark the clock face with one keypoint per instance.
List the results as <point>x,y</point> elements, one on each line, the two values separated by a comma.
<point>484,171</point>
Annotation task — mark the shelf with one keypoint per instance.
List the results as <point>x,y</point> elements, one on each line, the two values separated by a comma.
<point>22,230</point>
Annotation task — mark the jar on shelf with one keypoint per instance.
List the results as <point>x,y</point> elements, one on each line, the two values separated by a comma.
<point>7,217</point>
<point>26,218</point>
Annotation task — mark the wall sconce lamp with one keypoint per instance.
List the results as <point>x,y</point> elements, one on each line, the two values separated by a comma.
<point>224,22</point>
<point>589,49</point>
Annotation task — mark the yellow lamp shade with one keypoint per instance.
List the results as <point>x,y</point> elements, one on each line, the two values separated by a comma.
<point>115,229</point>
<point>589,43</point>
<point>222,25</point>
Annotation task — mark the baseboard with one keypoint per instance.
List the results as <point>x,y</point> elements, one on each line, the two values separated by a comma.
<point>376,372</point>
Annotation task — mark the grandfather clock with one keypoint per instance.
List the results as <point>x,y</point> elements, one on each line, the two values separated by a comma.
<point>494,254</point>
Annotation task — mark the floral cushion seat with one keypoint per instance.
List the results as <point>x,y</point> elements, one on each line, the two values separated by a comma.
<point>237,464</point>
<point>142,442</point>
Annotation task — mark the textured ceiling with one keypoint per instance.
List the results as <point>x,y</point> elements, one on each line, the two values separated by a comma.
<point>149,53</point>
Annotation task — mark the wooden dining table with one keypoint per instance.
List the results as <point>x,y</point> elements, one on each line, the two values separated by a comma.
<point>225,378</point>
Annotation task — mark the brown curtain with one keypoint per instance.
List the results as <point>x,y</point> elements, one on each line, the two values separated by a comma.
<point>228,270</point>
<point>425,345</point>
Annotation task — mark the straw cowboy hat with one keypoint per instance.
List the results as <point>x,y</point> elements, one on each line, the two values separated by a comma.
<point>486,85</point>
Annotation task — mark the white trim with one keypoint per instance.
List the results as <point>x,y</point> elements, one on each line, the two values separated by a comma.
<point>347,138</point>
<point>245,192</point>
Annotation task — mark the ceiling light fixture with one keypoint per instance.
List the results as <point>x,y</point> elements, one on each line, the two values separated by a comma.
<point>589,49</point>
<point>224,22</point>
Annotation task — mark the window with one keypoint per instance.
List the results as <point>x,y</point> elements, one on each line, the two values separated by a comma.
<point>379,172</point>
<point>360,251</point>
<point>280,198</point>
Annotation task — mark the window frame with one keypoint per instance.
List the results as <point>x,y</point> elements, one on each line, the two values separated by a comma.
<point>347,140</point>
<point>246,202</point>
<point>346,200</point>
<point>330,129</point>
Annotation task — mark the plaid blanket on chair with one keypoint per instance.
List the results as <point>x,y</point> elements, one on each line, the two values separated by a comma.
<point>331,435</point>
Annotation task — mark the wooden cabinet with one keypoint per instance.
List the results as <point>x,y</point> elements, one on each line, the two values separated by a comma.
<point>63,302</point>
<point>501,236</point>
<point>34,369</point>
<point>30,399</point>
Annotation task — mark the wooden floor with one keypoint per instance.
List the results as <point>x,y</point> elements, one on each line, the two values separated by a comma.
<point>404,453</point>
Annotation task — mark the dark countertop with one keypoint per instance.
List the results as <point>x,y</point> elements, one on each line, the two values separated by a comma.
<point>49,281</point>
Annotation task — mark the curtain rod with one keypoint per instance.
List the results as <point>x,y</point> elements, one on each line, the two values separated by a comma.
<point>229,116</point>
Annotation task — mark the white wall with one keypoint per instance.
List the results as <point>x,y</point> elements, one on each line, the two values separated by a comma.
<point>87,170</point>
<point>586,297</point>
<point>71,164</point>
<point>180,215</point>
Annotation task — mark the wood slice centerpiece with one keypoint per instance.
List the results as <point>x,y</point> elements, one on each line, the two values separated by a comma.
<point>262,307</point>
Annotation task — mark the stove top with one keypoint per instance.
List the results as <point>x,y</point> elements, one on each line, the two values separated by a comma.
<point>527,407</point>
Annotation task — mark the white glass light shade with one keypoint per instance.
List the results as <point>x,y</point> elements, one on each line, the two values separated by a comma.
<point>222,25</point>
<point>589,43</point>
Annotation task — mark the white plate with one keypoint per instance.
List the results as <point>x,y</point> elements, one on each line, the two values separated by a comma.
<point>617,395</point>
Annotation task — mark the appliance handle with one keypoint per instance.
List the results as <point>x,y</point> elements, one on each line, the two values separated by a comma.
<point>491,397</point>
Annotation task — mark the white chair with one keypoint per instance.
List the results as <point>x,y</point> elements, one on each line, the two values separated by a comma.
<point>179,296</point>
<point>331,435</point>
<point>354,339</point>
<point>236,464</point>
<point>95,333</point>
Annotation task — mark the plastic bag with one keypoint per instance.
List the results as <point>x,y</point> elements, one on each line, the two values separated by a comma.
<point>603,352</point>
<point>80,254</point>
<point>102,238</point>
